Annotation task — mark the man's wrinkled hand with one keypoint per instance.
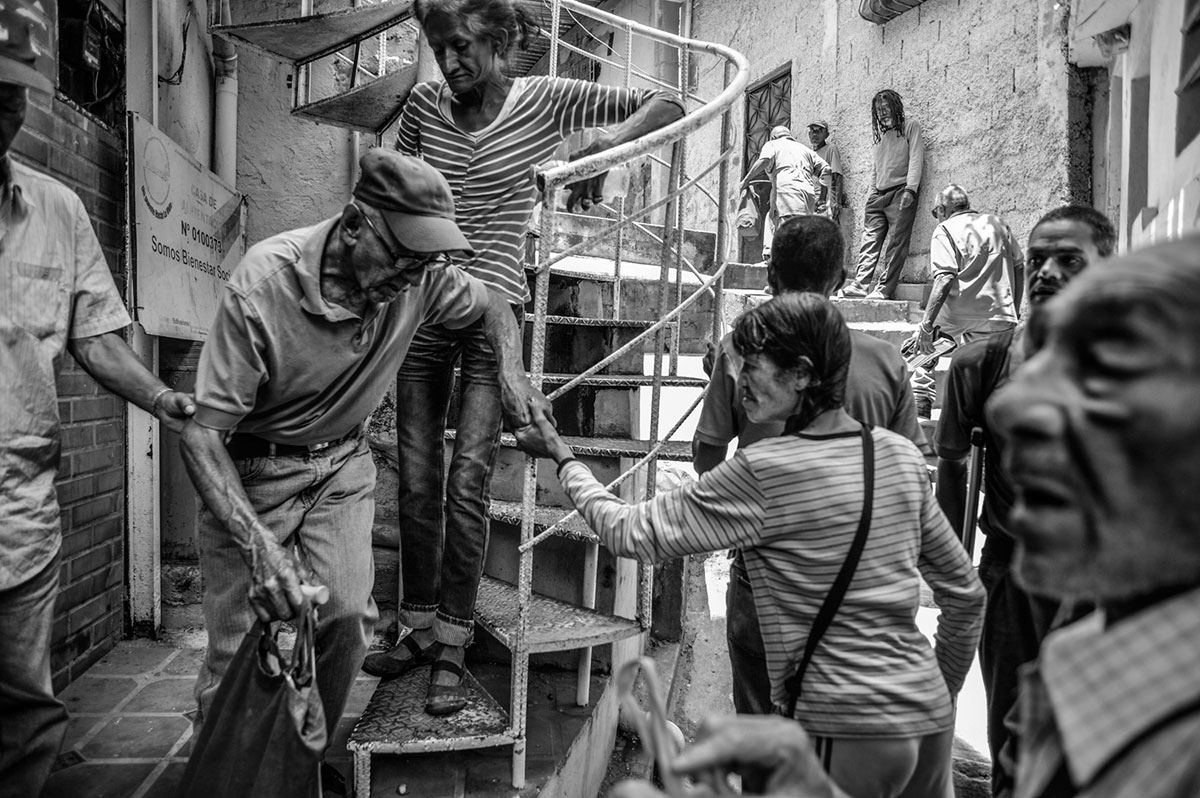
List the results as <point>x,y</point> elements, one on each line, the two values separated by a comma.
<point>275,587</point>
<point>907,198</point>
<point>540,438</point>
<point>924,339</point>
<point>710,358</point>
<point>174,408</point>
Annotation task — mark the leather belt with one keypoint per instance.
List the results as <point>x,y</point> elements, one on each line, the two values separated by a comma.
<point>246,446</point>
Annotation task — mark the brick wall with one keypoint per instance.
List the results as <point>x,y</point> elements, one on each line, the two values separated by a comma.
<point>60,139</point>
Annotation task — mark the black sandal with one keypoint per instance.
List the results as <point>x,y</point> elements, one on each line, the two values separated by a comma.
<point>446,699</point>
<point>385,666</point>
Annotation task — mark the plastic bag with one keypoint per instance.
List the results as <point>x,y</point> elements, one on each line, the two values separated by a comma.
<point>747,215</point>
<point>265,734</point>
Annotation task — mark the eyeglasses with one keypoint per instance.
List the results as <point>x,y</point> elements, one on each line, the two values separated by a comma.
<point>415,260</point>
<point>936,213</point>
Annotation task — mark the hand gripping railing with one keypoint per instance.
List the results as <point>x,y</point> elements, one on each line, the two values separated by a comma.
<point>736,72</point>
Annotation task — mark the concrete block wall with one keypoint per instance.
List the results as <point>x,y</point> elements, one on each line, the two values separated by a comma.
<point>89,617</point>
<point>989,84</point>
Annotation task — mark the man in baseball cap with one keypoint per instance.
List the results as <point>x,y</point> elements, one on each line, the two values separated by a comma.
<point>829,203</point>
<point>307,340</point>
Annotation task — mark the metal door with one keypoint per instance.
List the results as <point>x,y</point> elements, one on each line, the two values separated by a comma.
<point>768,103</point>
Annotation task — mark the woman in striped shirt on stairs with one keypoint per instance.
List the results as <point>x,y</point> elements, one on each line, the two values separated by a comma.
<point>875,696</point>
<point>485,131</point>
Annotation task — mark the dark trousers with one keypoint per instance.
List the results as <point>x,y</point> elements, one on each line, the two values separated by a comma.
<point>32,721</point>
<point>443,518</point>
<point>747,658</point>
<point>1014,624</point>
<point>885,220</point>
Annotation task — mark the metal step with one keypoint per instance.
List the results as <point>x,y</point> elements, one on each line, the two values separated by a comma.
<point>553,625</point>
<point>679,451</point>
<point>370,108</point>
<point>300,40</point>
<point>627,380</point>
<point>575,321</point>
<point>543,517</point>
<point>395,721</point>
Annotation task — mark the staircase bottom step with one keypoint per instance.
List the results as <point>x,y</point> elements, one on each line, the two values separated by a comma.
<point>395,721</point>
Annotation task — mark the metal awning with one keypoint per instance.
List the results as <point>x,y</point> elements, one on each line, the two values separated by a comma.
<point>300,40</point>
<point>370,108</point>
<point>881,11</point>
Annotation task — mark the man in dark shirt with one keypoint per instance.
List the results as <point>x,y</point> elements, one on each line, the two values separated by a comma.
<point>1063,243</point>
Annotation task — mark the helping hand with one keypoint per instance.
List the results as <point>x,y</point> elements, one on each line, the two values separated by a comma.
<point>540,438</point>
<point>174,408</point>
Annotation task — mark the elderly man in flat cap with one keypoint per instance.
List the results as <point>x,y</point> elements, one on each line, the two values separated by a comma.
<point>798,175</point>
<point>309,335</point>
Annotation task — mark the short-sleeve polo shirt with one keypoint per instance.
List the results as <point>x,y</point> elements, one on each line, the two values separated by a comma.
<point>284,364</point>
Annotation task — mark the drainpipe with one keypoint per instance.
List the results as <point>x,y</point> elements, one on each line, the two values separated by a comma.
<point>225,104</point>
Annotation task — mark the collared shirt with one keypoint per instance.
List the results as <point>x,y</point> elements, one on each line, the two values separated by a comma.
<point>793,504</point>
<point>54,285</point>
<point>284,364</point>
<point>877,392</point>
<point>796,171</point>
<point>981,253</point>
<point>1094,691</point>
<point>899,160</point>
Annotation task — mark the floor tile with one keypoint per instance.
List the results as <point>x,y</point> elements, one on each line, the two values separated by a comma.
<point>131,659</point>
<point>164,695</point>
<point>136,737</point>
<point>93,694</point>
<point>167,783</point>
<point>97,780</point>
<point>77,728</point>
<point>186,664</point>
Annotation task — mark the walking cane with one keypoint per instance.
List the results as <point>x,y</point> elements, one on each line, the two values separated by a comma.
<point>974,475</point>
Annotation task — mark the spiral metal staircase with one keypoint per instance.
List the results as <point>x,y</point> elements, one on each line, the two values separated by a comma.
<point>585,347</point>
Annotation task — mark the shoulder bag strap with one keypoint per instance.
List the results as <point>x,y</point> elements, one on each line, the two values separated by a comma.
<point>833,599</point>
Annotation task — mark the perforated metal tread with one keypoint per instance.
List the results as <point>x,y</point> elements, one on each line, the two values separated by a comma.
<point>395,721</point>
<point>299,40</point>
<point>553,625</point>
<point>679,451</point>
<point>370,108</point>
<point>576,321</point>
<point>627,380</point>
<point>543,517</point>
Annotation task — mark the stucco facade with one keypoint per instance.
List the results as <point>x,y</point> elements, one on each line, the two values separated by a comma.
<point>1004,113</point>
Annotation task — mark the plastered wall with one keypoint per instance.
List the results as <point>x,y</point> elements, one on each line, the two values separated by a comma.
<point>988,82</point>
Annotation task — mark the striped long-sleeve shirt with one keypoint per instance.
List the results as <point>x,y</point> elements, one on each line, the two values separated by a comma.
<point>793,504</point>
<point>490,171</point>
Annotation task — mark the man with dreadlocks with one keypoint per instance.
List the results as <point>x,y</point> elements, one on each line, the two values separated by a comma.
<point>892,204</point>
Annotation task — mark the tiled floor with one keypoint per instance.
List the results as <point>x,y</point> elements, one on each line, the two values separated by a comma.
<point>130,732</point>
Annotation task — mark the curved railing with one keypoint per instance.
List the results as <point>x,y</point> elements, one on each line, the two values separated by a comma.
<point>710,114</point>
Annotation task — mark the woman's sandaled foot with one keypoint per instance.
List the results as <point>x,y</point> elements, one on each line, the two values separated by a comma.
<point>447,693</point>
<point>415,649</point>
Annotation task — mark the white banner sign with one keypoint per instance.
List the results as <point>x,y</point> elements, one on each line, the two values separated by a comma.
<point>188,233</point>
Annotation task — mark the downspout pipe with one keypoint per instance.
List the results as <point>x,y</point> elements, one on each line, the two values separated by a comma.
<point>225,103</point>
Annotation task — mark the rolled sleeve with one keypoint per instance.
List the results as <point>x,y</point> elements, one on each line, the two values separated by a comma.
<point>718,416</point>
<point>232,365</point>
<point>96,307</point>
<point>455,299</point>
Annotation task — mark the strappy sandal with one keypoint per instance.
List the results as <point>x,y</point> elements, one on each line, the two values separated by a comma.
<point>385,666</point>
<point>446,699</point>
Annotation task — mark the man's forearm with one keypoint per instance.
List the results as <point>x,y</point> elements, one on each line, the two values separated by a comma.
<point>216,480</point>
<point>951,491</point>
<point>706,456</point>
<point>937,297</point>
<point>114,365</point>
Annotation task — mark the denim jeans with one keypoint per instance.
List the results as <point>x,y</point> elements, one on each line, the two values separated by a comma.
<point>32,720</point>
<point>922,379</point>
<point>747,657</point>
<point>884,216</point>
<point>325,505</point>
<point>443,516</point>
<point>1014,623</point>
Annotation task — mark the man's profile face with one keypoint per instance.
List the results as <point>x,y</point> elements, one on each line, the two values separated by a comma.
<point>817,136</point>
<point>1057,252</point>
<point>12,114</point>
<point>1103,430</point>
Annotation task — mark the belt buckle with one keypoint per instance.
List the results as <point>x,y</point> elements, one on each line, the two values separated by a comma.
<point>320,447</point>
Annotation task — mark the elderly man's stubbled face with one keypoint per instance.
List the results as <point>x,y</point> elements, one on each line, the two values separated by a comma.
<point>1103,434</point>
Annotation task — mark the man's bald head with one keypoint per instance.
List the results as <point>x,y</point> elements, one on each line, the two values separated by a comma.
<point>951,200</point>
